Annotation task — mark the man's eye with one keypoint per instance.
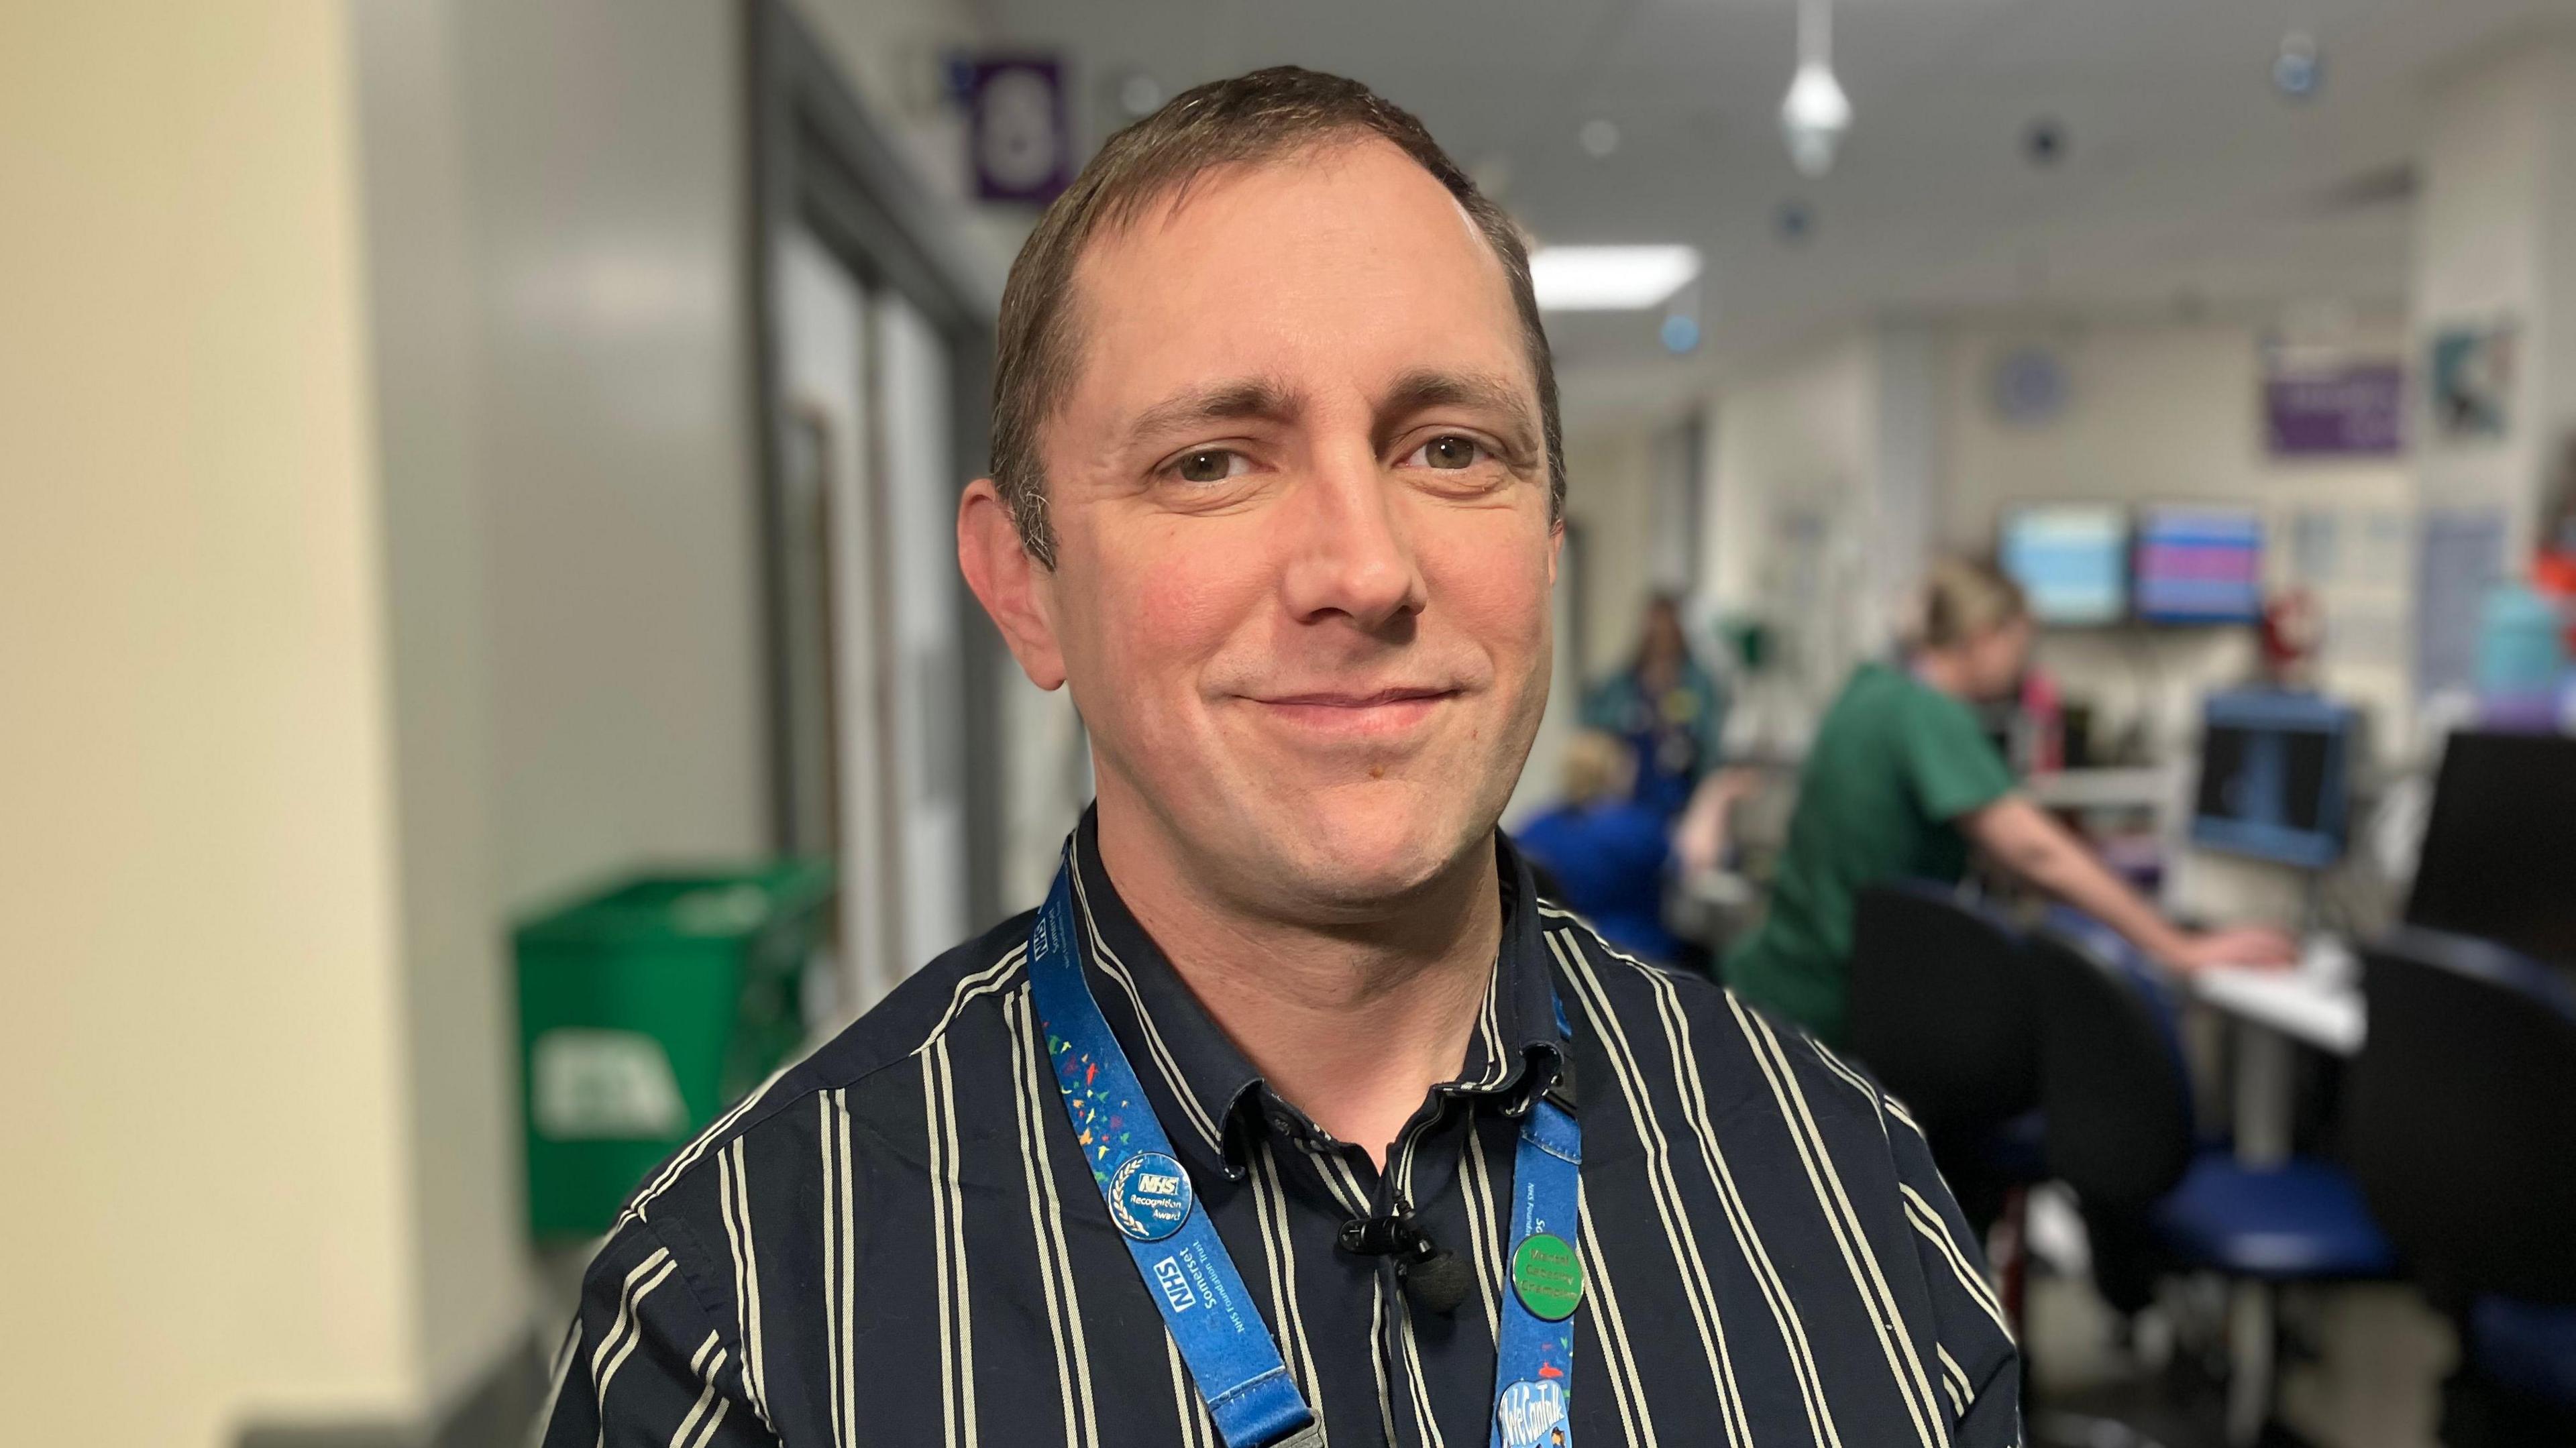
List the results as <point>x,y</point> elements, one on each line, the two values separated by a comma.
<point>1209,465</point>
<point>1448,452</point>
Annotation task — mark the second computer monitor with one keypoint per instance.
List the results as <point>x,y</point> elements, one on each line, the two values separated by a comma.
<point>2274,770</point>
<point>2199,565</point>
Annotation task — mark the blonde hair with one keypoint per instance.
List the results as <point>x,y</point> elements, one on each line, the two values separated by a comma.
<point>1967,598</point>
<point>1595,767</point>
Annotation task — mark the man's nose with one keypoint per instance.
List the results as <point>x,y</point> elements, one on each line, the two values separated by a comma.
<point>1348,552</point>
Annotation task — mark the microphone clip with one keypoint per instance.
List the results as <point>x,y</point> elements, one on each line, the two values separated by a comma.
<point>1395,1235</point>
<point>1432,1275</point>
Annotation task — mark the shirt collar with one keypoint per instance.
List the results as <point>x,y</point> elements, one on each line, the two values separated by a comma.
<point>1212,1098</point>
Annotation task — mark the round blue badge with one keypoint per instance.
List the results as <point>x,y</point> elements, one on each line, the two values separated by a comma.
<point>1149,1197</point>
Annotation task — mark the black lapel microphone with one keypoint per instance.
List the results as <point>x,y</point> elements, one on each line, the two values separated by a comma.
<point>1433,1276</point>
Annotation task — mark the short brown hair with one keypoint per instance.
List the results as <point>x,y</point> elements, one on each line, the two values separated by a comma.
<point>1253,118</point>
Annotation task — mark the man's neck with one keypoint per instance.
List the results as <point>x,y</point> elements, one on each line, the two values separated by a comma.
<point>1352,1022</point>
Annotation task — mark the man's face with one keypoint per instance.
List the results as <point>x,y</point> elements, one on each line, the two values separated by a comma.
<point>1304,551</point>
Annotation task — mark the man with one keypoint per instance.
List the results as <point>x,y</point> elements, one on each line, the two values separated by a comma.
<point>1265,1129</point>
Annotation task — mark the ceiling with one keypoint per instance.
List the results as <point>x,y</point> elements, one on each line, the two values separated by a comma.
<point>2186,181</point>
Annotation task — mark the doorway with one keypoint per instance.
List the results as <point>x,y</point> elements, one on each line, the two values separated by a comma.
<point>871,349</point>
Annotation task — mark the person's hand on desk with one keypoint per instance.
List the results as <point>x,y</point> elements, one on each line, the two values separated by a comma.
<point>2024,839</point>
<point>2248,947</point>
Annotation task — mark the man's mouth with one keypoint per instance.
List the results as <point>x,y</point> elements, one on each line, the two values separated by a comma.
<point>1354,714</point>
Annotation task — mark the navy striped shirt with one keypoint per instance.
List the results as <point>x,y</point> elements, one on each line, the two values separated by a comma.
<point>897,1240</point>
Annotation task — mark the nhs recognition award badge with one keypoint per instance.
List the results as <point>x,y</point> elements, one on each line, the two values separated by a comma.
<point>1531,1415</point>
<point>1149,1197</point>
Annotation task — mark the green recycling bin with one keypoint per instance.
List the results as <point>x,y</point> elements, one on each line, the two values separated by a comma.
<point>645,1011</point>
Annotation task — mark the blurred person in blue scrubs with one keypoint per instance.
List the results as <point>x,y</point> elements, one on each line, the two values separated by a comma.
<point>1666,706</point>
<point>1608,852</point>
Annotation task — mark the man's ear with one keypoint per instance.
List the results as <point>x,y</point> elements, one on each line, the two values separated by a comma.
<point>1014,590</point>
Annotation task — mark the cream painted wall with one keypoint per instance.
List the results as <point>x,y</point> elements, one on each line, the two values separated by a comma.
<point>1789,535</point>
<point>2156,412</point>
<point>376,559</point>
<point>618,512</point>
<point>1610,481</point>
<point>2172,412</point>
<point>2495,241</point>
<point>462,1124</point>
<point>1609,498</point>
<point>198,918</point>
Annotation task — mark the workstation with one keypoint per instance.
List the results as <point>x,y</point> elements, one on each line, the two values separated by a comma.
<point>2243,1141</point>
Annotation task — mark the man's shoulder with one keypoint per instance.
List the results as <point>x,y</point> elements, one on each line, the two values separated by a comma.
<point>926,1006</point>
<point>1690,1025</point>
<point>973,977</point>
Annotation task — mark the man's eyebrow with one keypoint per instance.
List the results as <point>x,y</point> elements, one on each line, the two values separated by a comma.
<point>1483,391</point>
<point>1253,397</point>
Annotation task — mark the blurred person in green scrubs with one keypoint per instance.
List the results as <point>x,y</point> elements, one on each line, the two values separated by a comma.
<point>1901,782</point>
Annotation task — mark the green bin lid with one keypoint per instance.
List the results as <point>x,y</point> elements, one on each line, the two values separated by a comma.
<point>710,904</point>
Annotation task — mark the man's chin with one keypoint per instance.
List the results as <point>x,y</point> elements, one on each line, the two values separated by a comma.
<point>1357,860</point>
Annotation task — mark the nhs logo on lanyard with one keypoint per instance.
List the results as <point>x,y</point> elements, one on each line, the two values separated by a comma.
<point>1531,1415</point>
<point>1175,1284</point>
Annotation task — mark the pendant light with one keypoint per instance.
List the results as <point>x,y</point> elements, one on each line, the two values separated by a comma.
<point>1815,113</point>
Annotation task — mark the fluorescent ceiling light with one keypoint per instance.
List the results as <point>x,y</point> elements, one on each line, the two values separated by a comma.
<point>1610,278</point>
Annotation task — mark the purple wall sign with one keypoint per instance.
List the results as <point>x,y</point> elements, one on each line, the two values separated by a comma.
<point>1019,129</point>
<point>2356,410</point>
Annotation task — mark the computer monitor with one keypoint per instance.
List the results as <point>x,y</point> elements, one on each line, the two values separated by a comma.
<point>2199,565</point>
<point>2499,856</point>
<point>2072,561</point>
<point>2274,776</point>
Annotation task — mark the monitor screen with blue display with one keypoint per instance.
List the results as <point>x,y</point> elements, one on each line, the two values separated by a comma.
<point>2071,561</point>
<point>2199,565</point>
<point>2274,774</point>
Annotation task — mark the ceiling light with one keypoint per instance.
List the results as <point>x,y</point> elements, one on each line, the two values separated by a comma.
<point>2298,70</point>
<point>1815,112</point>
<point>1139,95</point>
<point>1599,138</point>
<point>1610,278</point>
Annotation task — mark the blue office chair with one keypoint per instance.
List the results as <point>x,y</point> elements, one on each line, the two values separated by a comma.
<point>1942,1013</point>
<point>2117,1099</point>
<point>2462,1117</point>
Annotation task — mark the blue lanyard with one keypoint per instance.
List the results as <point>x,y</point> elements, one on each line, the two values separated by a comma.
<point>1192,1278</point>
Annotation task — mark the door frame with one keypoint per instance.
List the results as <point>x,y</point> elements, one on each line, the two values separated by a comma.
<point>817,161</point>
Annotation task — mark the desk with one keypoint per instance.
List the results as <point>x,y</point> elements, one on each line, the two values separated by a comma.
<point>2318,1004</point>
<point>2314,1006</point>
<point>2146,787</point>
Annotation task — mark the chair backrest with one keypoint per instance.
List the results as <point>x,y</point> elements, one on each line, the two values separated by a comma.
<point>2112,1085</point>
<point>1941,1009</point>
<point>2461,1115</point>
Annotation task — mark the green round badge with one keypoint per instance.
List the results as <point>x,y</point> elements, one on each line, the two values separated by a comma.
<point>1547,1276</point>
